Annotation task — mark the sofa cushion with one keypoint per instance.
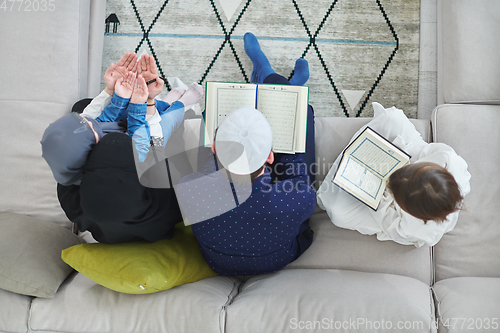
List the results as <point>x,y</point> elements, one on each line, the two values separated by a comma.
<point>334,133</point>
<point>31,255</point>
<point>472,248</point>
<point>331,300</point>
<point>142,267</point>
<point>81,305</point>
<point>14,312</point>
<point>468,49</point>
<point>46,52</point>
<point>338,248</point>
<point>468,304</point>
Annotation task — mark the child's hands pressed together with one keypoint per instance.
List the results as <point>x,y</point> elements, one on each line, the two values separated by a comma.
<point>125,85</point>
<point>127,63</point>
<point>140,93</point>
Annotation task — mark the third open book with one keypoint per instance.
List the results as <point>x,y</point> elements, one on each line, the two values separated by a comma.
<point>366,165</point>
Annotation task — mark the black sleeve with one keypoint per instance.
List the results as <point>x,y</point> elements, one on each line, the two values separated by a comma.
<point>69,198</point>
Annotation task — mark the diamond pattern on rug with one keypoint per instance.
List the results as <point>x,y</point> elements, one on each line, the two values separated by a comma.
<point>359,51</point>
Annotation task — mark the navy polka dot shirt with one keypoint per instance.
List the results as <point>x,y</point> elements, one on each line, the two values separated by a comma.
<point>256,235</point>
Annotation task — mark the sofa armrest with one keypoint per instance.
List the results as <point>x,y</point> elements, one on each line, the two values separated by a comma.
<point>468,49</point>
<point>472,248</point>
<point>44,57</point>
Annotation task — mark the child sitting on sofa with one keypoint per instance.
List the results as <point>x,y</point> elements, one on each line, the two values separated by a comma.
<point>422,200</point>
<point>99,188</point>
<point>67,142</point>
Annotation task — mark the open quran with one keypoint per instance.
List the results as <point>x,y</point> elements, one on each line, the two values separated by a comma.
<point>284,106</point>
<point>366,165</point>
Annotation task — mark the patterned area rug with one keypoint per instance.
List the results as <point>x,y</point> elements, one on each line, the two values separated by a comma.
<point>359,51</point>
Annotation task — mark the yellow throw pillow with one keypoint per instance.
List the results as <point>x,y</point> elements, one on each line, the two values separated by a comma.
<point>141,267</point>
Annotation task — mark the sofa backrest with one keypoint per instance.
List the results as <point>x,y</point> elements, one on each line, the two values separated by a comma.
<point>473,247</point>
<point>468,50</point>
<point>469,77</point>
<point>44,69</point>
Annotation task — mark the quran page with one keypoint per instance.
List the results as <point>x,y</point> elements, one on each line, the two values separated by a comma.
<point>285,107</point>
<point>221,98</point>
<point>366,166</point>
<point>280,109</point>
<point>375,157</point>
<point>361,177</point>
<point>232,98</point>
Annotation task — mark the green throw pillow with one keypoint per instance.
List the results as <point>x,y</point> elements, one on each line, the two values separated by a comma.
<point>142,267</point>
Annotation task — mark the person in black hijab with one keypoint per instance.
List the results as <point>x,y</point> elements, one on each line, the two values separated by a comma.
<point>112,204</point>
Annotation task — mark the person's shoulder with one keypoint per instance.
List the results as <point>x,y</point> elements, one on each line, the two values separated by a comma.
<point>419,233</point>
<point>442,154</point>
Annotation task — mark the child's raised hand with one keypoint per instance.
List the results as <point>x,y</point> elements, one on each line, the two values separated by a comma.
<point>125,85</point>
<point>127,63</point>
<point>140,93</point>
<point>147,67</point>
<point>110,77</point>
<point>155,88</point>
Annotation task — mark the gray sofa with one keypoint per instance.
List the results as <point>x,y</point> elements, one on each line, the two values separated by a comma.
<point>346,282</point>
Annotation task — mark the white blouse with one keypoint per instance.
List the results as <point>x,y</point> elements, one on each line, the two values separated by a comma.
<point>389,221</point>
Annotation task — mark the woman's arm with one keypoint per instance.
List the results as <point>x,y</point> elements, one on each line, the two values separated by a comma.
<point>97,105</point>
<point>118,108</point>
<point>127,63</point>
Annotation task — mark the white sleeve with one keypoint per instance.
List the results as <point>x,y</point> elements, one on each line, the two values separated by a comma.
<point>395,126</point>
<point>97,105</point>
<point>344,210</point>
<point>392,122</point>
<point>154,125</point>
<point>397,225</point>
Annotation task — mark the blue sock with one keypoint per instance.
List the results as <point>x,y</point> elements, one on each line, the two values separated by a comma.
<point>261,66</point>
<point>300,72</point>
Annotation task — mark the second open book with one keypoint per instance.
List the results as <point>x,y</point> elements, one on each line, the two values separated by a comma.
<point>366,165</point>
<point>284,106</point>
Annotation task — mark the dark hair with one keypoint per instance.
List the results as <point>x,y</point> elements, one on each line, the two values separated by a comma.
<point>425,190</point>
<point>244,179</point>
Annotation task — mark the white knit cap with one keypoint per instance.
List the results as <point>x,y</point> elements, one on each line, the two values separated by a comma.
<point>244,140</point>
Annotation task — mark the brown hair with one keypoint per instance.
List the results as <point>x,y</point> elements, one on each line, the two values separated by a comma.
<point>425,190</point>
